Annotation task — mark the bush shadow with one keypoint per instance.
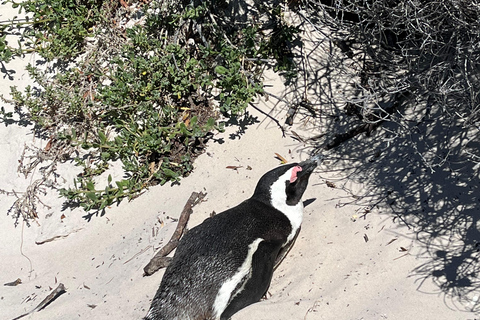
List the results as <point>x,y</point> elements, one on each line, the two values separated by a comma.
<point>421,163</point>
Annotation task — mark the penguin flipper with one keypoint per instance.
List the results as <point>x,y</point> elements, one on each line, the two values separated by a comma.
<point>255,287</point>
<point>285,250</point>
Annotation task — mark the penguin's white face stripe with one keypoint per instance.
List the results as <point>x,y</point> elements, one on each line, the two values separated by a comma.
<point>226,290</point>
<point>279,201</point>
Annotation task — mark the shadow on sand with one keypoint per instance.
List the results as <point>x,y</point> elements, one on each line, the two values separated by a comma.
<point>420,165</point>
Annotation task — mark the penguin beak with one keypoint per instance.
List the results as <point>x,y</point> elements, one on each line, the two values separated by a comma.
<point>295,189</point>
<point>309,165</point>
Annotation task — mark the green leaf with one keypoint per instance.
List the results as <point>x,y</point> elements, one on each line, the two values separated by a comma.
<point>169,173</point>
<point>220,70</point>
<point>92,196</point>
<point>210,123</point>
<point>102,136</point>
<point>90,186</point>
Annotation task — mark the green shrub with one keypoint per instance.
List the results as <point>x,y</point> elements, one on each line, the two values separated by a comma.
<point>148,95</point>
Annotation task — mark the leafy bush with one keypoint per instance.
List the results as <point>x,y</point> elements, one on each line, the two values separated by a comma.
<point>148,95</point>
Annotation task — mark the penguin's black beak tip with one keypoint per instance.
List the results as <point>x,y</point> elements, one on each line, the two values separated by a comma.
<point>309,165</point>
<point>318,158</point>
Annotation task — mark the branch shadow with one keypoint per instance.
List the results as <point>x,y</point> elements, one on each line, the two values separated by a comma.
<point>241,123</point>
<point>422,165</point>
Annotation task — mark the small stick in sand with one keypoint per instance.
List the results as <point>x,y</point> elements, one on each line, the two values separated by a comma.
<point>14,283</point>
<point>45,302</point>
<point>160,260</point>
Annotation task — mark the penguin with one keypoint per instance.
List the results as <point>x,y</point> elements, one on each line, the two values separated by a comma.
<point>226,263</point>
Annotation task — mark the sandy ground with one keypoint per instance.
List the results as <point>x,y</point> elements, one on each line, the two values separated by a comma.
<point>341,267</point>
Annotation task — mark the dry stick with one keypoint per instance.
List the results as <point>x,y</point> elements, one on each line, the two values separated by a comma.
<point>343,137</point>
<point>23,254</point>
<point>160,260</point>
<point>45,302</point>
<point>269,116</point>
<point>138,253</point>
<point>366,127</point>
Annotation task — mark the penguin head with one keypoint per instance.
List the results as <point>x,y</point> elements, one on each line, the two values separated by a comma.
<point>286,184</point>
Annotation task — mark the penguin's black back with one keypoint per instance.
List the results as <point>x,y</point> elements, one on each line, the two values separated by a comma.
<point>211,253</point>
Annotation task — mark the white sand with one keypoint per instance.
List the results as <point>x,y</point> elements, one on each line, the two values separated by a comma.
<point>331,272</point>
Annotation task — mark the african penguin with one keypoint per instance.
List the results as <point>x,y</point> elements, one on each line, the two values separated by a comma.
<point>226,263</point>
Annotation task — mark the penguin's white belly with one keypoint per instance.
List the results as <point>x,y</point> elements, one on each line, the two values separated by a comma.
<point>294,214</point>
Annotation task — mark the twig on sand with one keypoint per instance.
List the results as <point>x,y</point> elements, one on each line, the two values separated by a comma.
<point>269,116</point>
<point>138,253</point>
<point>311,309</point>
<point>160,260</point>
<point>45,302</point>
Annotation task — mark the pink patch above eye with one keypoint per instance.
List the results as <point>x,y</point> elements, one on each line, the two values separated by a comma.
<point>294,173</point>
